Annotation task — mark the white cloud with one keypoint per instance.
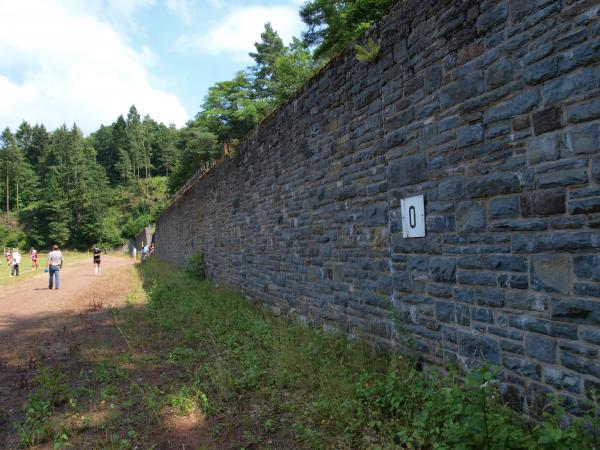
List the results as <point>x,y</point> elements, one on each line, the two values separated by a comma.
<point>59,66</point>
<point>240,29</point>
<point>181,9</point>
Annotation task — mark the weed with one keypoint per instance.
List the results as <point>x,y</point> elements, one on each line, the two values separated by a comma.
<point>194,265</point>
<point>367,53</point>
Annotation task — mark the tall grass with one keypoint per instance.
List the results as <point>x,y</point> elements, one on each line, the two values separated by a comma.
<point>325,392</point>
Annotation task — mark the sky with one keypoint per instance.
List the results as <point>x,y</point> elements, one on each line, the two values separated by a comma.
<point>87,61</point>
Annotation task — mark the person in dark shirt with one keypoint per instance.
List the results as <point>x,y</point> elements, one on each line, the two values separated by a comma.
<point>97,253</point>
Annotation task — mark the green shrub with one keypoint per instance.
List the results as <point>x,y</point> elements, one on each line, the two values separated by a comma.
<point>195,265</point>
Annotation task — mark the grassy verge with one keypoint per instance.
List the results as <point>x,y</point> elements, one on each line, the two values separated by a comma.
<point>201,367</point>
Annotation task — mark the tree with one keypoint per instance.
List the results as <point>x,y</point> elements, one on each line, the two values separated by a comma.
<point>74,196</point>
<point>122,166</point>
<point>267,51</point>
<point>197,145</point>
<point>291,70</point>
<point>333,24</point>
<point>38,148</point>
<point>231,110</point>
<point>102,140</point>
<point>19,180</point>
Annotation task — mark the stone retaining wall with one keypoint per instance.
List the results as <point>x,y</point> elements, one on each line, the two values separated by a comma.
<point>491,110</point>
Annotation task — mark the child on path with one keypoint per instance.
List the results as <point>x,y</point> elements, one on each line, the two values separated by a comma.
<point>97,254</point>
<point>134,253</point>
<point>34,259</point>
<point>55,262</point>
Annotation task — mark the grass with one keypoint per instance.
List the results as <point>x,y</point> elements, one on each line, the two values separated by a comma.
<point>25,268</point>
<point>204,368</point>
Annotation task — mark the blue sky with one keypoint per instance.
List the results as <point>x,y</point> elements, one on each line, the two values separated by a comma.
<point>86,61</point>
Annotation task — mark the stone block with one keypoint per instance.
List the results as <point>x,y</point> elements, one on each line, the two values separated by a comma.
<point>596,169</point>
<point>558,330</point>
<point>482,315</point>
<point>569,177</point>
<point>470,217</point>
<point>541,348</point>
<point>443,269</point>
<point>583,112</point>
<point>584,206</point>
<point>519,9</point>
<point>439,290</point>
<point>476,347</point>
<point>513,281</point>
<point>493,184</point>
<point>433,78</point>
<point>512,347</point>
<point>470,135</point>
<point>587,289</point>
<point>464,295</point>
<point>490,297</point>
<point>523,367</point>
<point>503,207</point>
<point>418,263</point>
<point>525,301</point>
<point>585,139</point>
<point>576,310</point>
<point>470,262</point>
<point>577,349</point>
<point>562,379</point>
<point>544,148</point>
<point>591,335</point>
<point>551,273</point>
<point>453,94</point>
<point>477,278</point>
<point>499,74</point>
<point>451,189</point>
<point>395,138</point>
<point>580,56</point>
<point>492,17</point>
<point>517,105</point>
<point>541,71</point>
<point>407,171</point>
<point>519,225</point>
<point>547,203</point>
<point>546,120</point>
<point>577,37</point>
<point>587,267</point>
<point>508,263</point>
<point>563,88</point>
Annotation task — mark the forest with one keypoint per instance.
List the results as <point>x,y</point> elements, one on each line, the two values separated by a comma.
<point>59,186</point>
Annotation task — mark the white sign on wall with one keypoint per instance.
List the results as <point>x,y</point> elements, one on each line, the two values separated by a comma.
<point>413,217</point>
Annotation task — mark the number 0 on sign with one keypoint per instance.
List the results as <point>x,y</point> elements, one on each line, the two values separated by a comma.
<point>413,217</point>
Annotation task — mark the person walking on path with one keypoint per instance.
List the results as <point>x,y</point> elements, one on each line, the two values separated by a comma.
<point>55,263</point>
<point>97,254</point>
<point>134,253</point>
<point>145,252</point>
<point>34,259</point>
<point>16,260</point>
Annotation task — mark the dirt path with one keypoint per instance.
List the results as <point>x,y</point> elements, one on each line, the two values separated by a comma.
<point>38,325</point>
<point>31,299</point>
